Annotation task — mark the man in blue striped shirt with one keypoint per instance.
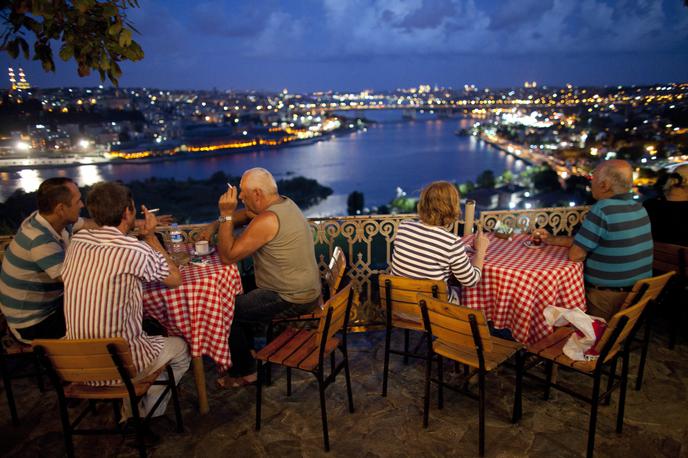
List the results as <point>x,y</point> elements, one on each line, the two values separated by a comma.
<point>615,240</point>
<point>31,289</point>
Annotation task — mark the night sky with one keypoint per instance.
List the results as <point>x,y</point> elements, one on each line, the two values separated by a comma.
<point>308,45</point>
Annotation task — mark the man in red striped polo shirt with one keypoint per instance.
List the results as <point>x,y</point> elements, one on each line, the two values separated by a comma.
<point>104,272</point>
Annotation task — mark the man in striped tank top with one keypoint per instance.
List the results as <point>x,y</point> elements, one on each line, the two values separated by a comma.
<point>615,240</point>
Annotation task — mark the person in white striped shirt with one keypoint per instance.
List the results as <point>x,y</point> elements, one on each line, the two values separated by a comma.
<point>104,272</point>
<point>428,249</point>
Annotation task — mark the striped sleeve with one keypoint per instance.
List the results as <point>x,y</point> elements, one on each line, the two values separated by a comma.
<point>593,230</point>
<point>48,255</point>
<point>155,267</point>
<point>461,266</point>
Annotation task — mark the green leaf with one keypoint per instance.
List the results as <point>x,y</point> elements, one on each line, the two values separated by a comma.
<point>125,37</point>
<point>66,52</point>
<point>24,47</point>
<point>13,49</point>
<point>115,28</point>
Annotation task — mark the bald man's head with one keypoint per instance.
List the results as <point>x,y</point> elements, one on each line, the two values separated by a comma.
<point>259,178</point>
<point>617,174</point>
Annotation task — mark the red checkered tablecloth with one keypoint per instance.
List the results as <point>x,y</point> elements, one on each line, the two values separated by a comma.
<point>201,310</point>
<point>519,282</point>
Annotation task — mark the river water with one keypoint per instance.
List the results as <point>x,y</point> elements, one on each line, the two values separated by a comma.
<point>390,154</point>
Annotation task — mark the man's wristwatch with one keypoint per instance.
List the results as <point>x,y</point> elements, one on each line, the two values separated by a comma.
<point>224,219</point>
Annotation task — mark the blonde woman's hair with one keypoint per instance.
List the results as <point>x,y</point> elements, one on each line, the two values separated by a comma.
<point>439,204</point>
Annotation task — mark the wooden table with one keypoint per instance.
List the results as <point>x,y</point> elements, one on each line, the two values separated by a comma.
<point>518,283</point>
<point>201,311</point>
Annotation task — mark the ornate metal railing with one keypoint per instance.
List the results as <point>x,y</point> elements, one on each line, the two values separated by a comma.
<point>558,220</point>
<point>367,242</point>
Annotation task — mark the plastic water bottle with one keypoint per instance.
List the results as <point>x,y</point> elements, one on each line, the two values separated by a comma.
<point>177,248</point>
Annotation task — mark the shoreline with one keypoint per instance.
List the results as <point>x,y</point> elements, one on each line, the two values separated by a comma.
<point>506,150</point>
<point>68,162</point>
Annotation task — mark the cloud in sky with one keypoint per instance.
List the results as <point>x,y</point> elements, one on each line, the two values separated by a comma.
<point>359,43</point>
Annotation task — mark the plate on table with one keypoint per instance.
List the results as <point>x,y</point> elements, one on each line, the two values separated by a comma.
<point>530,244</point>
<point>211,251</point>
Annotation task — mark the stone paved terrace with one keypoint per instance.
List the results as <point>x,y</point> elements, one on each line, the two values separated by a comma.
<point>656,422</point>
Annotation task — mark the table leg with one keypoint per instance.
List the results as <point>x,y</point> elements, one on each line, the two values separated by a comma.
<point>199,377</point>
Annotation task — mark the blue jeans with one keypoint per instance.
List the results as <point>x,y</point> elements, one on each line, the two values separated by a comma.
<point>253,310</point>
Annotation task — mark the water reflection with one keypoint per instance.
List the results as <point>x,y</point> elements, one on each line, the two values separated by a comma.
<point>389,154</point>
<point>29,180</point>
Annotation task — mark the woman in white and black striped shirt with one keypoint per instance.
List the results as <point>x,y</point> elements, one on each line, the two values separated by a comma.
<point>427,249</point>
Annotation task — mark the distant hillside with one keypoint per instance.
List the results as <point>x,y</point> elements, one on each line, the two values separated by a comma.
<point>190,201</point>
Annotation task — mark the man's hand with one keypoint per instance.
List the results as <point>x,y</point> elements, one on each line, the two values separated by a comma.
<point>481,242</point>
<point>149,223</point>
<point>165,220</point>
<point>228,202</point>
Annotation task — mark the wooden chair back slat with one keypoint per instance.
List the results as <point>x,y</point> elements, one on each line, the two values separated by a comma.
<point>338,305</point>
<point>668,257</point>
<point>337,266</point>
<point>450,323</point>
<point>633,313</point>
<point>86,360</point>
<point>652,289</point>
<point>403,294</point>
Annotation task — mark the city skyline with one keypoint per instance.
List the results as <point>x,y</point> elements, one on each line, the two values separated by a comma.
<point>321,45</point>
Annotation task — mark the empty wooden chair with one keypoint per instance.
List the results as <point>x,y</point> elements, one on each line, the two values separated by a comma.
<point>611,346</point>
<point>333,278</point>
<point>308,350</point>
<point>398,297</point>
<point>73,366</point>
<point>462,335</point>
<point>647,288</point>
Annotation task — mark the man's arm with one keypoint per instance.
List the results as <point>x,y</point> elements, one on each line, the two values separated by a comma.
<point>240,218</point>
<point>576,253</point>
<point>147,233</point>
<point>260,231</point>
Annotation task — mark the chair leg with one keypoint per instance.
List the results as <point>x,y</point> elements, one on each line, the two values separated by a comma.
<point>549,366</point>
<point>595,400</point>
<point>481,413</point>
<point>440,386</point>
<point>610,382</point>
<point>116,412</point>
<point>321,388</point>
<point>347,377</point>
<point>66,425</point>
<point>138,423</point>
<point>172,383</point>
<point>407,339</point>
<point>385,369</point>
<point>259,393</point>
<point>643,354</point>
<point>426,401</point>
<point>518,412</point>
<point>288,381</point>
<point>622,392</point>
<point>7,381</point>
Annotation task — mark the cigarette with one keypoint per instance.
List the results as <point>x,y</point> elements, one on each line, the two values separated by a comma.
<point>230,185</point>
<point>153,210</point>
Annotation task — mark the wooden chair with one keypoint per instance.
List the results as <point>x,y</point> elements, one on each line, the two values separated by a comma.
<point>73,366</point>
<point>666,258</point>
<point>333,277</point>
<point>462,335</point>
<point>648,288</point>
<point>398,296</point>
<point>308,349</point>
<point>12,350</point>
<point>613,344</point>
